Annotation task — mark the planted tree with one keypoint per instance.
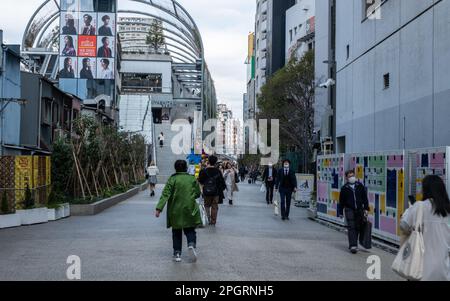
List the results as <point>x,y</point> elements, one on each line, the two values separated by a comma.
<point>155,37</point>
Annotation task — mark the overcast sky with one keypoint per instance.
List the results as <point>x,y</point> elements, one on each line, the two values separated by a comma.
<point>224,26</point>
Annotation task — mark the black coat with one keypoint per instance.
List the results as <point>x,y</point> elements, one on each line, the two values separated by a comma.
<point>347,198</point>
<point>280,179</point>
<point>266,175</point>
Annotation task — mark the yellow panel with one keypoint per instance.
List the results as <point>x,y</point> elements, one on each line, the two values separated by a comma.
<point>335,195</point>
<point>23,177</point>
<point>332,213</point>
<point>401,198</point>
<point>359,172</point>
<point>383,203</point>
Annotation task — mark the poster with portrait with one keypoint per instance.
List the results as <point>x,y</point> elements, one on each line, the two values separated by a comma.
<point>68,45</point>
<point>87,68</point>
<point>87,24</point>
<point>70,5</point>
<point>69,23</point>
<point>68,67</point>
<point>105,68</point>
<point>105,47</point>
<point>87,5</point>
<point>87,46</point>
<point>106,24</point>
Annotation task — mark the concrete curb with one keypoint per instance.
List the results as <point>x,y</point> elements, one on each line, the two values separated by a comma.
<point>375,242</point>
<point>100,206</point>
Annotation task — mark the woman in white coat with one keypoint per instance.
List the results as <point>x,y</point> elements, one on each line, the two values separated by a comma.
<point>230,179</point>
<point>436,226</point>
<point>152,172</point>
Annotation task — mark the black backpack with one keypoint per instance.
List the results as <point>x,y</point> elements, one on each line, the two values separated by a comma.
<point>210,187</point>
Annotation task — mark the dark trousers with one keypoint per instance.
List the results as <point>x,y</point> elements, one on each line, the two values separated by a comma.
<point>177,236</point>
<point>355,220</point>
<point>285,199</point>
<point>269,192</point>
<point>242,177</point>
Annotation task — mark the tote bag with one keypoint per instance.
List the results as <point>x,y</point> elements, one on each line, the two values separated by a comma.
<point>276,205</point>
<point>409,261</point>
<point>203,215</point>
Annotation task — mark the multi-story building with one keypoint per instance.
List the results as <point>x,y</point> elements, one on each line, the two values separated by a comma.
<point>270,47</point>
<point>229,136</point>
<point>393,70</point>
<point>300,28</point>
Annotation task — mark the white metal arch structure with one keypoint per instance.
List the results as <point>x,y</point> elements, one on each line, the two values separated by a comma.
<point>184,44</point>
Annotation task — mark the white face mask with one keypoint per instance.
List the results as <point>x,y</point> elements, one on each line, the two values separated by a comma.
<point>352,180</point>
<point>286,166</point>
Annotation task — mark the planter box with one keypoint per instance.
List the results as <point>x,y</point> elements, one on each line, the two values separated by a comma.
<point>66,212</point>
<point>55,214</point>
<point>312,213</point>
<point>33,216</point>
<point>9,221</point>
<point>96,208</point>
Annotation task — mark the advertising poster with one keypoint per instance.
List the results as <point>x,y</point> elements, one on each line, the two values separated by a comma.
<point>69,23</point>
<point>69,45</point>
<point>70,5</point>
<point>87,68</point>
<point>106,24</point>
<point>105,68</point>
<point>305,189</point>
<point>68,67</point>
<point>105,47</point>
<point>88,23</point>
<point>87,46</point>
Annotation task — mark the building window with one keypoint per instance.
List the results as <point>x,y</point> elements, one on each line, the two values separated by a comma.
<point>290,34</point>
<point>387,81</point>
<point>348,51</point>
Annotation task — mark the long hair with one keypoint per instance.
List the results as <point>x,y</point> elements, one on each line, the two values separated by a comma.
<point>69,42</point>
<point>435,191</point>
<point>85,65</point>
<point>66,63</point>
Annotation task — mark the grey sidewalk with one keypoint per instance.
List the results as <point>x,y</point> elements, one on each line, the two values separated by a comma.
<point>127,242</point>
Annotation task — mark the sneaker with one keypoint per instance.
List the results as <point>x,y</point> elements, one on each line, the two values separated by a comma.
<point>192,254</point>
<point>354,250</point>
<point>177,258</point>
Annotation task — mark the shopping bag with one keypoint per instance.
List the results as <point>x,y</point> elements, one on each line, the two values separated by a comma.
<point>276,205</point>
<point>203,215</point>
<point>365,238</point>
<point>263,188</point>
<point>409,261</point>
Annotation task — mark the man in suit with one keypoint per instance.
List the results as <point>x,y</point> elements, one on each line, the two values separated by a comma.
<point>105,50</point>
<point>269,178</point>
<point>286,184</point>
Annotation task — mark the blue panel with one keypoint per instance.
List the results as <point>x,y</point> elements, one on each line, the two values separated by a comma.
<point>322,208</point>
<point>377,211</point>
<point>391,187</point>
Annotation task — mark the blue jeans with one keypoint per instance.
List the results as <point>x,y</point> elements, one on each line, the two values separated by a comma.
<point>285,199</point>
<point>177,236</point>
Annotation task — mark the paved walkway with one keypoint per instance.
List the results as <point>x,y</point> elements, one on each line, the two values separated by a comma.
<point>126,242</point>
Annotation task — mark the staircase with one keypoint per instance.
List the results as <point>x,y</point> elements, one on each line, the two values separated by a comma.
<point>164,156</point>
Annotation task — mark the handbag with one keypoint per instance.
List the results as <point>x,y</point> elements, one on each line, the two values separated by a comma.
<point>409,261</point>
<point>203,215</point>
<point>263,188</point>
<point>365,238</point>
<point>276,205</point>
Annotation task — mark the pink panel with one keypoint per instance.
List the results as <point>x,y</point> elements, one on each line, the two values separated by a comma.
<point>439,159</point>
<point>322,190</point>
<point>395,161</point>
<point>388,225</point>
<point>419,160</point>
<point>371,198</point>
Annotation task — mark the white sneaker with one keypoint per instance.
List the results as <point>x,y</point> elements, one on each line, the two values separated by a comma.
<point>177,258</point>
<point>192,254</point>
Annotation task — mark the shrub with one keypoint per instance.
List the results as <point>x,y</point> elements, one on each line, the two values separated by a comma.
<point>29,201</point>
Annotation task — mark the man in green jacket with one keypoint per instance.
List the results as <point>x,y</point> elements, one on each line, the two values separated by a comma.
<point>183,212</point>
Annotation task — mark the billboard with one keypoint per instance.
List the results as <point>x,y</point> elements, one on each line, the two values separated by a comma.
<point>87,40</point>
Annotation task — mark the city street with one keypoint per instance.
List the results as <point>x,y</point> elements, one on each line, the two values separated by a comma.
<point>127,242</point>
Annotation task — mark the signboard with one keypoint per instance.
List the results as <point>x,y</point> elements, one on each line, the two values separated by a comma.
<point>305,189</point>
<point>87,40</point>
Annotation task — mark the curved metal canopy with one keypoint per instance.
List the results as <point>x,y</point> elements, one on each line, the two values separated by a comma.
<point>42,30</point>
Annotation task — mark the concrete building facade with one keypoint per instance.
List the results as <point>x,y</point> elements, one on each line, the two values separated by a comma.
<point>393,66</point>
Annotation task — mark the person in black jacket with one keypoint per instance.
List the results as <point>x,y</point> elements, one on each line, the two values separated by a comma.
<point>286,184</point>
<point>269,179</point>
<point>354,202</point>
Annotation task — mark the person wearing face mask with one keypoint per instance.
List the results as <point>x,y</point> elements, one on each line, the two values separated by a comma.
<point>354,202</point>
<point>286,184</point>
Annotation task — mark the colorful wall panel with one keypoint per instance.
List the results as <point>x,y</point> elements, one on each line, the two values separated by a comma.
<point>431,162</point>
<point>330,178</point>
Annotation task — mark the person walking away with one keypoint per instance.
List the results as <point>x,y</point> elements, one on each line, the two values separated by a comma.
<point>230,181</point>
<point>161,139</point>
<point>152,172</point>
<point>269,179</point>
<point>183,214</point>
<point>212,184</point>
<point>354,203</point>
<point>242,173</point>
<point>286,184</point>
<point>436,235</point>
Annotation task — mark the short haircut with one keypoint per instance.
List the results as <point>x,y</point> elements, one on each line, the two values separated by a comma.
<point>106,61</point>
<point>286,161</point>
<point>181,166</point>
<point>89,17</point>
<point>212,160</point>
<point>348,172</point>
<point>106,17</point>
<point>104,39</point>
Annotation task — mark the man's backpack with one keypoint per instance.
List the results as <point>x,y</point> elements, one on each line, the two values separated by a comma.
<point>210,187</point>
